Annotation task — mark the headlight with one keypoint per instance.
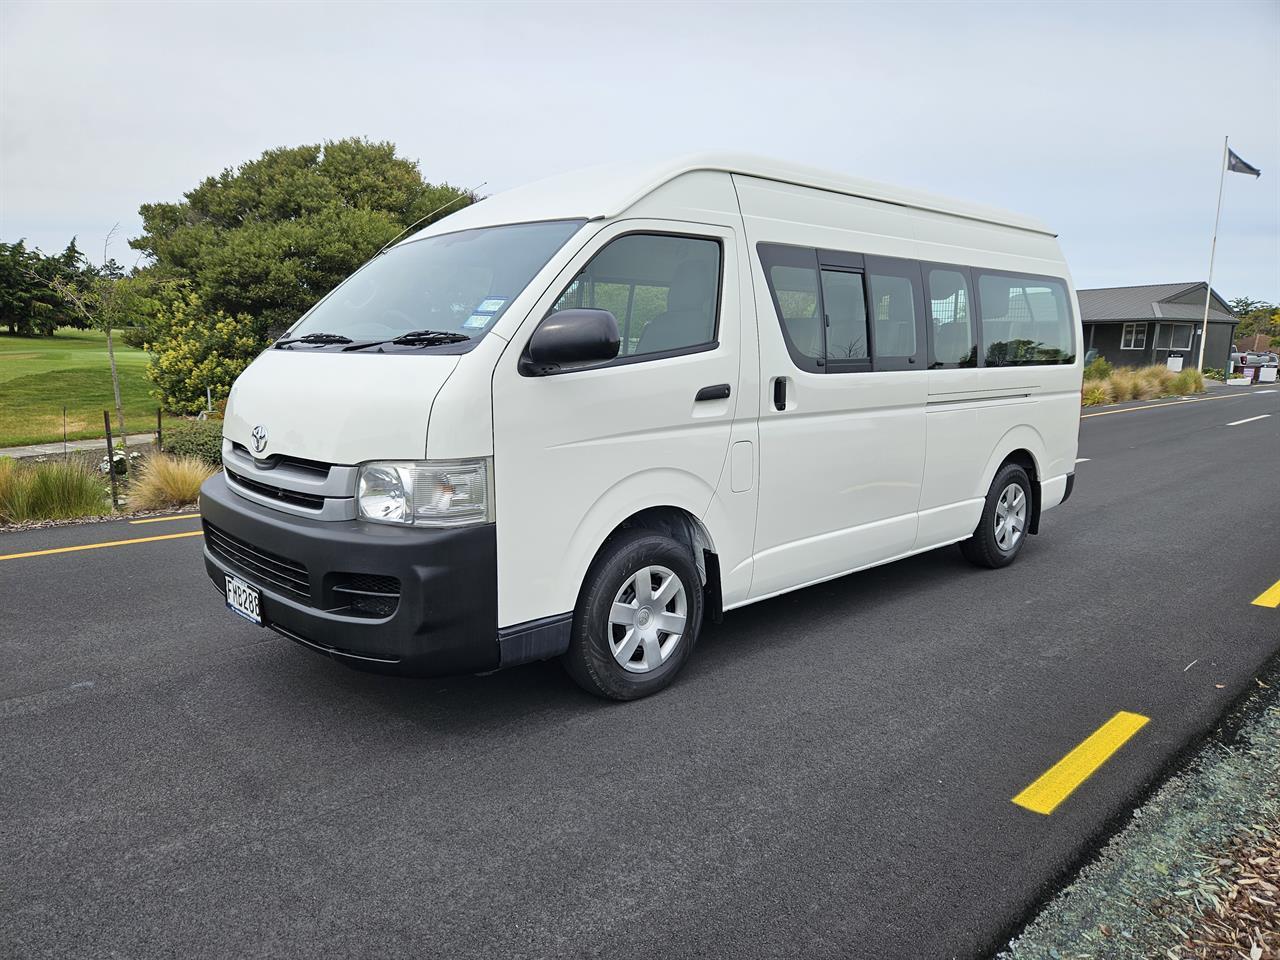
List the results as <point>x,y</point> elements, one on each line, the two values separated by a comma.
<point>436,493</point>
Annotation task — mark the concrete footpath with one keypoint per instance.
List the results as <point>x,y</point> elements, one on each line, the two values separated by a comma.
<point>52,449</point>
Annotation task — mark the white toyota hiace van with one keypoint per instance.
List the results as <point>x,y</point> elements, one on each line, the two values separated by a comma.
<point>580,418</point>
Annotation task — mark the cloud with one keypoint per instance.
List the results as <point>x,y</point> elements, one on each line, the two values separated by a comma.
<point>1104,120</point>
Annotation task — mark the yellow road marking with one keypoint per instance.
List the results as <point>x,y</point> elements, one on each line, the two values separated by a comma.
<point>1161,406</point>
<point>1059,781</point>
<point>1269,597</point>
<point>99,546</point>
<point>179,516</point>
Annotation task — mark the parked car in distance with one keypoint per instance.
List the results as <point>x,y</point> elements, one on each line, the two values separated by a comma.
<point>581,418</point>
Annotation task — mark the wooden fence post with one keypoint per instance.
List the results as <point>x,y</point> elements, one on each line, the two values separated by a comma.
<point>111,460</point>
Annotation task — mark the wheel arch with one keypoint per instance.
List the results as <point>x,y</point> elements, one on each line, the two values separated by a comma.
<point>1024,446</point>
<point>683,526</point>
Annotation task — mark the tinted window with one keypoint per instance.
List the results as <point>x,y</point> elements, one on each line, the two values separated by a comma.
<point>664,291</point>
<point>795,290</point>
<point>844,304</point>
<point>1024,321</point>
<point>895,311</point>
<point>950,318</point>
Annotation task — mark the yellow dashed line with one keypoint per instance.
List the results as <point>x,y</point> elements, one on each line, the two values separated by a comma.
<point>1059,781</point>
<point>1269,597</point>
<point>99,546</point>
<point>179,516</point>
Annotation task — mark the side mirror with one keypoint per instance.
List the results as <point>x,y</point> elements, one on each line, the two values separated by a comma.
<point>568,338</point>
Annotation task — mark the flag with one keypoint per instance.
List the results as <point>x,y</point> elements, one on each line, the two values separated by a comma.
<point>1236,165</point>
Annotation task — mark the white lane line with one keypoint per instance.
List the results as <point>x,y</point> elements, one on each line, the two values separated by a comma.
<point>1082,460</point>
<point>1261,392</point>
<point>1249,420</point>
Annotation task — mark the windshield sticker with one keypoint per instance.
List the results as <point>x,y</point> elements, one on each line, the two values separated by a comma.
<point>477,321</point>
<point>492,305</point>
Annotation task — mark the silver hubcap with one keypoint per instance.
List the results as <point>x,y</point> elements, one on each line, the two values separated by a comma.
<point>647,619</point>
<point>1011,516</point>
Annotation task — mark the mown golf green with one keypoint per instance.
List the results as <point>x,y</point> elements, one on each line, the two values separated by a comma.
<point>39,376</point>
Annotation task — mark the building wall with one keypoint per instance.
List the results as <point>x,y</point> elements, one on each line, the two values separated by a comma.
<point>1106,340</point>
<point>1218,347</point>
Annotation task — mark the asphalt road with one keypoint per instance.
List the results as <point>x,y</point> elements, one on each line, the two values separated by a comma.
<point>831,776</point>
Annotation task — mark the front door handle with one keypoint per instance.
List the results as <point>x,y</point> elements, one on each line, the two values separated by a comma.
<point>779,393</point>
<point>718,392</point>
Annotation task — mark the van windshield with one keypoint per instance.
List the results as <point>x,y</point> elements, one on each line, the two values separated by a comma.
<point>456,284</point>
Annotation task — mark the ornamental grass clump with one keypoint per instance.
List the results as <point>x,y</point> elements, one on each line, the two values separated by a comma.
<point>168,481</point>
<point>1096,394</point>
<point>58,490</point>
<point>1138,383</point>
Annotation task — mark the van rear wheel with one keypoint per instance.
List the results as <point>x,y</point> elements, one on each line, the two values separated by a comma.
<point>637,618</point>
<point>1006,516</point>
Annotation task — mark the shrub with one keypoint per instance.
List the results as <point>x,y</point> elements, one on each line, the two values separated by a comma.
<point>1188,381</point>
<point>1125,385</point>
<point>193,347</point>
<point>1213,373</point>
<point>1096,394</point>
<point>166,481</point>
<point>1098,369</point>
<point>58,490</point>
<point>195,438</point>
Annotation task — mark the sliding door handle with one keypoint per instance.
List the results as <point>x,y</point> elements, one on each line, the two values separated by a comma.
<point>718,392</point>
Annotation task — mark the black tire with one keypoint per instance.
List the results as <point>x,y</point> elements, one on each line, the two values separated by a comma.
<point>983,549</point>
<point>590,660</point>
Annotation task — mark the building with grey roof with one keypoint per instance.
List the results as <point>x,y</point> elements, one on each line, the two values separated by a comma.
<point>1136,326</point>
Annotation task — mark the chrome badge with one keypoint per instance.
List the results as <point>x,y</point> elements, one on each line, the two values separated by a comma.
<point>259,435</point>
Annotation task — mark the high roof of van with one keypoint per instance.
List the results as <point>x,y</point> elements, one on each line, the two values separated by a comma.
<point>606,191</point>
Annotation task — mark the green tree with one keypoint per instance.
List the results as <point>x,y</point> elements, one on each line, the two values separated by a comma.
<point>30,303</point>
<point>269,238</point>
<point>1256,317</point>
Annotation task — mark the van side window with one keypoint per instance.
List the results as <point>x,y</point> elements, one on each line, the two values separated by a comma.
<point>663,290</point>
<point>1025,320</point>
<point>821,303</point>
<point>897,311</point>
<point>844,304</point>
<point>951,342</point>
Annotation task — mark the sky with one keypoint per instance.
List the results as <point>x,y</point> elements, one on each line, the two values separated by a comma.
<point>1104,120</point>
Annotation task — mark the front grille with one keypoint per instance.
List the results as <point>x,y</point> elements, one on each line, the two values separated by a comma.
<point>279,459</point>
<point>367,595</point>
<point>259,565</point>
<point>309,500</point>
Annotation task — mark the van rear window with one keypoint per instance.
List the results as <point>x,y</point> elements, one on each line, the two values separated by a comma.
<point>1024,321</point>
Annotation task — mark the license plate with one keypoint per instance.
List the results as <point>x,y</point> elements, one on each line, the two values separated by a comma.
<point>243,599</point>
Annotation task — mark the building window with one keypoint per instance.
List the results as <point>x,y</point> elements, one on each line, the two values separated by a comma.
<point>1174,336</point>
<point>1134,337</point>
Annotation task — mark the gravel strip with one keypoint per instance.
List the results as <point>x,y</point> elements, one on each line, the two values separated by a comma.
<point>1180,881</point>
<point>76,521</point>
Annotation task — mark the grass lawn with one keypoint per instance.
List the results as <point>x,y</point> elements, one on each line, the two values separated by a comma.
<point>39,375</point>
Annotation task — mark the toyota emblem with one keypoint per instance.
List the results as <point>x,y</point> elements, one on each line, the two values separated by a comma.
<point>259,435</point>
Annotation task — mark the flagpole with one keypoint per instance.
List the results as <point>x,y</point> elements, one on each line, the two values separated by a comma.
<point>1213,249</point>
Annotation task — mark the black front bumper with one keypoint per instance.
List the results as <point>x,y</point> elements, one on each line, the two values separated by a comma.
<point>446,620</point>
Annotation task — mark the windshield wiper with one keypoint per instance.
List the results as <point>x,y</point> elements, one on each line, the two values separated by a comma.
<point>320,339</point>
<point>415,338</point>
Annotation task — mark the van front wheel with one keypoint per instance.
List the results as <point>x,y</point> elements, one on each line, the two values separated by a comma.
<point>1005,519</point>
<point>637,618</point>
